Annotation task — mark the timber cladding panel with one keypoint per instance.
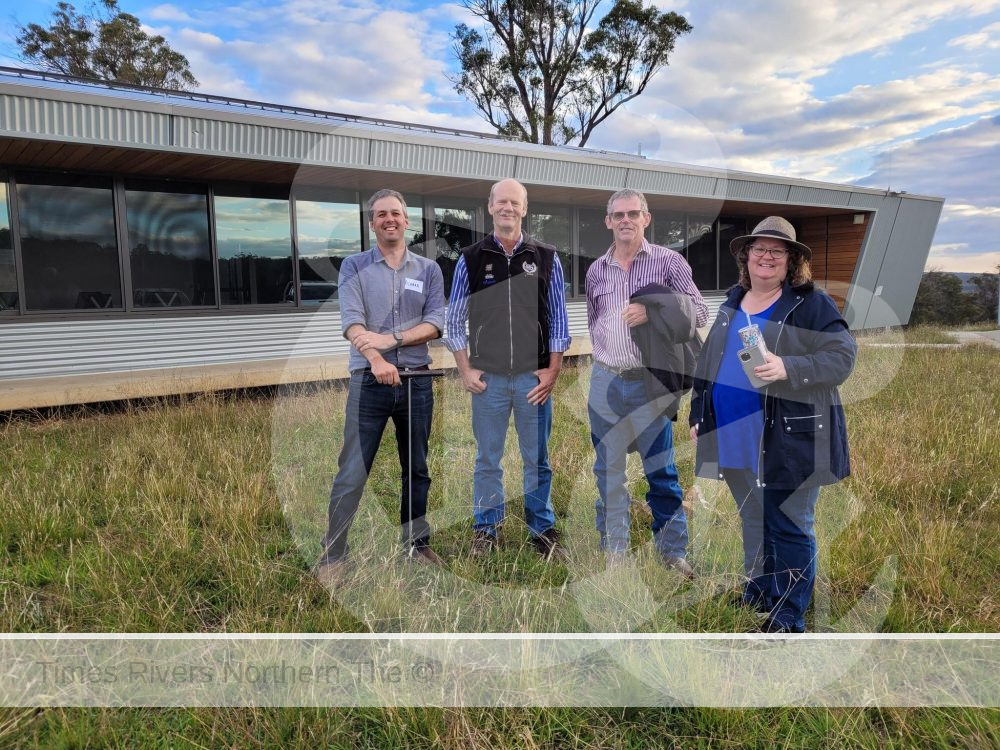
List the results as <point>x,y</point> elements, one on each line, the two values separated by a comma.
<point>836,245</point>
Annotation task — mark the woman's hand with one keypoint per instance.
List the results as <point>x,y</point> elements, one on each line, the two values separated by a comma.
<point>773,370</point>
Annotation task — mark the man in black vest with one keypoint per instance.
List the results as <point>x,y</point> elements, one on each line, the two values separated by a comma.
<point>508,287</point>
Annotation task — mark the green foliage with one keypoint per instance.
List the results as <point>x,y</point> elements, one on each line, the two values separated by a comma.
<point>539,72</point>
<point>941,301</point>
<point>107,44</point>
<point>987,288</point>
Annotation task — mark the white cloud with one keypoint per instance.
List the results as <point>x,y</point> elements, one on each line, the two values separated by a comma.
<point>987,38</point>
<point>168,12</point>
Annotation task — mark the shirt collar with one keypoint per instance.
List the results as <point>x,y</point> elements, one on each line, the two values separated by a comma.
<point>378,257</point>
<point>517,245</point>
<point>609,256</point>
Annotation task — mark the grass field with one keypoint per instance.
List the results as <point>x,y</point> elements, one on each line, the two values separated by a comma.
<point>204,515</point>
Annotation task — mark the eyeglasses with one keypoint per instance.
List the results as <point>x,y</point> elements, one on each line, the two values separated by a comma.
<point>774,252</point>
<point>619,215</point>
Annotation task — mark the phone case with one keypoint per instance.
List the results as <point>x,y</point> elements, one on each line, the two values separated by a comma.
<point>752,357</point>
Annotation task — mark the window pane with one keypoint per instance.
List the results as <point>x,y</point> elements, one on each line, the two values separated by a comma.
<point>68,243</point>
<point>701,251</point>
<point>552,226</point>
<point>8,280</point>
<point>327,233</point>
<point>255,250</point>
<point>668,230</point>
<point>595,239</point>
<point>169,248</point>
<point>729,229</point>
<point>454,228</point>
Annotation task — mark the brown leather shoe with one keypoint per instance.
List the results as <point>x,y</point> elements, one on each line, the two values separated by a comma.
<point>680,565</point>
<point>331,573</point>
<point>425,556</point>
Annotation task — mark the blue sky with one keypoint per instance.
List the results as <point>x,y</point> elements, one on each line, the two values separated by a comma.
<point>890,94</point>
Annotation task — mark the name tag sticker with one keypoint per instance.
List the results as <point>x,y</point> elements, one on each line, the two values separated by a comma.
<point>415,285</point>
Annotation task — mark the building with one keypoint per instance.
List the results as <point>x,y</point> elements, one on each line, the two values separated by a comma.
<point>156,242</point>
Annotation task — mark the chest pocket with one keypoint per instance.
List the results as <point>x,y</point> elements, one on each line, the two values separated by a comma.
<point>807,423</point>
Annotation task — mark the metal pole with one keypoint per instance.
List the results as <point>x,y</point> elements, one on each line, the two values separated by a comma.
<point>408,375</point>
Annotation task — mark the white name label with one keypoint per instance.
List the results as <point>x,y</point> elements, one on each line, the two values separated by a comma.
<point>415,285</point>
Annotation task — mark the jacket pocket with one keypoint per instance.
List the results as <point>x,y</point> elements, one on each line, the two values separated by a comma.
<point>805,423</point>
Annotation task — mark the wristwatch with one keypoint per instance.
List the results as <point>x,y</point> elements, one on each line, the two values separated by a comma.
<point>399,337</point>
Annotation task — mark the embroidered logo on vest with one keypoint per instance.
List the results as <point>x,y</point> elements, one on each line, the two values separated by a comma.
<point>529,268</point>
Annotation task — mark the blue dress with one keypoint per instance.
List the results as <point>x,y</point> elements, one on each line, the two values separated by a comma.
<point>738,405</point>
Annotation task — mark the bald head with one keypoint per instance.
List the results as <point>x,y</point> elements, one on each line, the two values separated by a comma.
<point>508,206</point>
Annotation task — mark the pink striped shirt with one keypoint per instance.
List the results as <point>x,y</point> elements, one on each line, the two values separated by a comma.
<point>609,288</point>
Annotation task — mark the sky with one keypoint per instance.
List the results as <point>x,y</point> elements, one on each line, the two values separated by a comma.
<point>889,94</point>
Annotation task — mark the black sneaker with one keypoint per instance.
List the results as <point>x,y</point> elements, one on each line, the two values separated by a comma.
<point>483,543</point>
<point>548,546</point>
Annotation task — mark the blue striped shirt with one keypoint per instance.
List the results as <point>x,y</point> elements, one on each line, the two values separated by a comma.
<point>458,306</point>
<point>609,288</point>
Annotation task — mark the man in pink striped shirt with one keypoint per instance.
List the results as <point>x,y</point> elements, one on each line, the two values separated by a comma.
<point>622,419</point>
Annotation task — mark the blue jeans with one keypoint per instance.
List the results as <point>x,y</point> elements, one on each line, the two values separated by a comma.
<point>370,406</point>
<point>491,412</point>
<point>622,420</point>
<point>779,547</point>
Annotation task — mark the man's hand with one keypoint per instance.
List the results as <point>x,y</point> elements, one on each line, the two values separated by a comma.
<point>385,372</point>
<point>634,315</point>
<point>773,370</point>
<point>694,433</point>
<point>471,380</point>
<point>378,342</point>
<point>546,382</point>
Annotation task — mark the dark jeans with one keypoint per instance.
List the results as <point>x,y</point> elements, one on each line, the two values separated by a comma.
<point>370,406</point>
<point>779,547</point>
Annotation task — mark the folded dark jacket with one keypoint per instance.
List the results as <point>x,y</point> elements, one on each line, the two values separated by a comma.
<point>668,342</point>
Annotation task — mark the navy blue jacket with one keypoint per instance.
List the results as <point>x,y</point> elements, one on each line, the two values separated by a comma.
<point>805,437</point>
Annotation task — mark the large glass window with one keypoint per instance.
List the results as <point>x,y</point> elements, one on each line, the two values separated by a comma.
<point>701,253</point>
<point>8,278</point>
<point>729,230</point>
<point>668,230</point>
<point>454,228</point>
<point>253,233</point>
<point>551,225</point>
<point>595,239</point>
<point>68,244</point>
<point>327,232</point>
<point>169,246</point>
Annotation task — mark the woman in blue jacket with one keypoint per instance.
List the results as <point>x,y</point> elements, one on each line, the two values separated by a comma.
<point>775,445</point>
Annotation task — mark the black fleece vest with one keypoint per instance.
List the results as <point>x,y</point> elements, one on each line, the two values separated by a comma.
<point>509,316</point>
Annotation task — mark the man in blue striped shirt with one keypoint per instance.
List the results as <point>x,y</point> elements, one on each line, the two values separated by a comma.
<point>508,288</point>
<point>621,416</point>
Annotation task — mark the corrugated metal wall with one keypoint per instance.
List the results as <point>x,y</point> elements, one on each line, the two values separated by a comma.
<point>80,347</point>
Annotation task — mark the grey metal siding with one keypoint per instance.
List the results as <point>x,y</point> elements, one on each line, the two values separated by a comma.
<point>672,183</point>
<point>818,196</point>
<point>905,256</point>
<point>80,347</point>
<point>32,116</point>
<point>756,191</point>
<point>412,157</point>
<point>557,172</point>
<point>870,261</point>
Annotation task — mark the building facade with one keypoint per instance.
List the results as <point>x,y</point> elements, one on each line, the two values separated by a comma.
<point>157,242</point>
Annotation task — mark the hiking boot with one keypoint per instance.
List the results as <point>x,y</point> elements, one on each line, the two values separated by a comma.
<point>680,565</point>
<point>483,543</point>
<point>770,626</point>
<point>548,546</point>
<point>425,556</point>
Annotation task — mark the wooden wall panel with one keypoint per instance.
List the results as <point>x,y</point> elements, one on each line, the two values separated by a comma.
<point>836,245</point>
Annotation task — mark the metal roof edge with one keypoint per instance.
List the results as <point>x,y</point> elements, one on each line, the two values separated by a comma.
<point>167,102</point>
